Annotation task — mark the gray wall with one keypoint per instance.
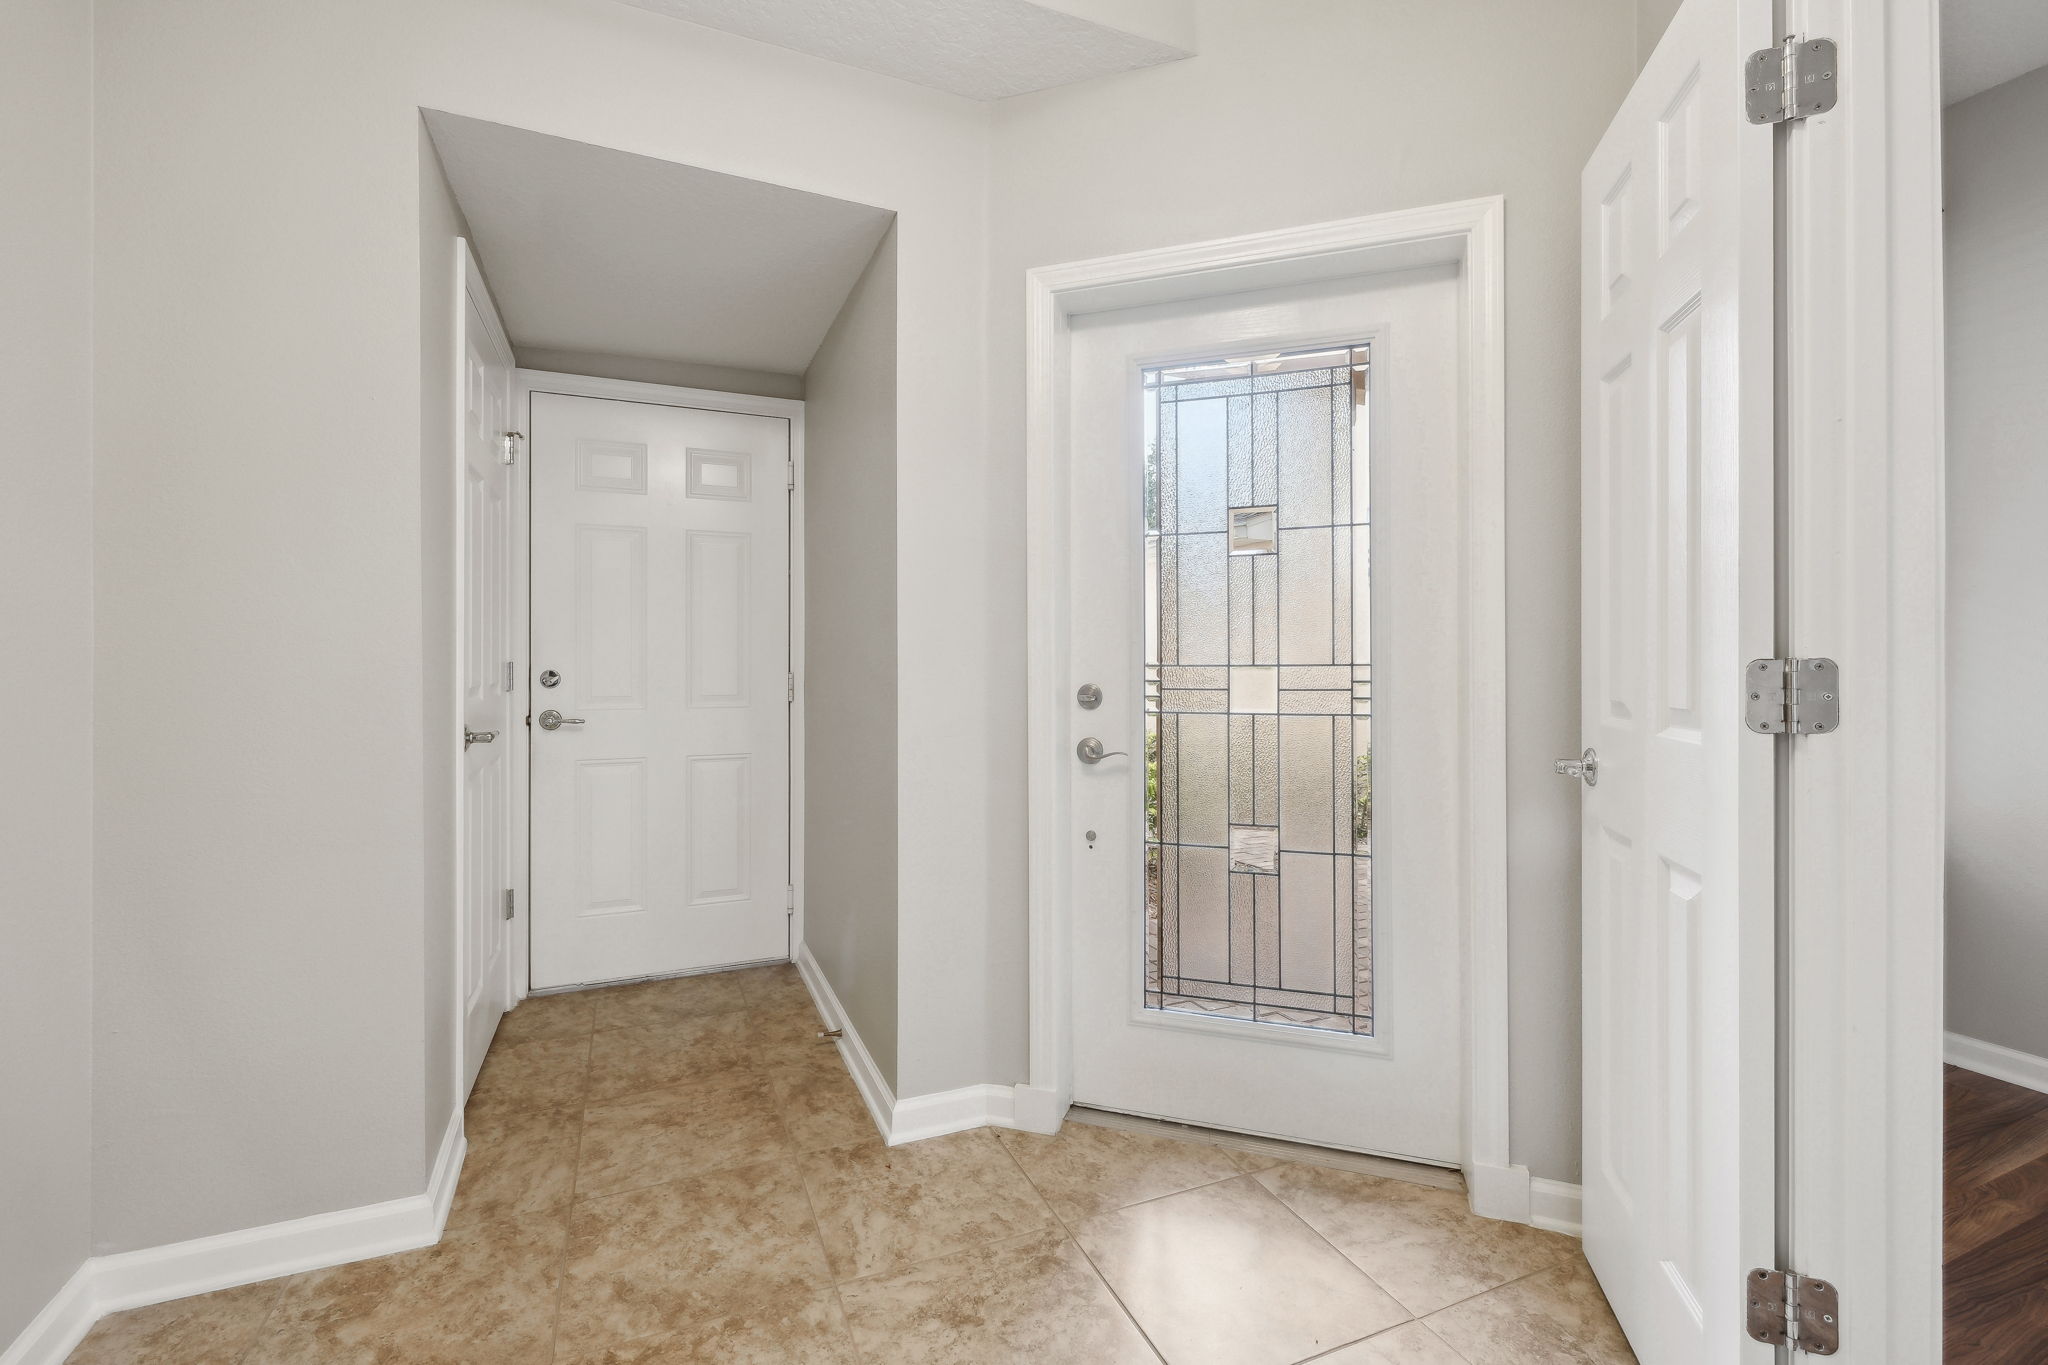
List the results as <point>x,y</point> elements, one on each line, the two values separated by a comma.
<point>46,624</point>
<point>1997,231</point>
<point>1275,124</point>
<point>1652,18</point>
<point>850,694</point>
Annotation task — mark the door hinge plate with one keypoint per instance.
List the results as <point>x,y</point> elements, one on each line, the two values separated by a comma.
<point>1792,696</point>
<point>789,692</point>
<point>508,447</point>
<point>789,900</point>
<point>1796,79</point>
<point>789,473</point>
<point>508,902</point>
<point>1789,1309</point>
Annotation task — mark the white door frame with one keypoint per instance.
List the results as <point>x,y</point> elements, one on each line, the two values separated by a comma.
<point>1862,554</point>
<point>1469,234</point>
<point>469,284</point>
<point>526,383</point>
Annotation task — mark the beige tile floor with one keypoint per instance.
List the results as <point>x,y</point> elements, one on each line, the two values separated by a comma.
<point>682,1172</point>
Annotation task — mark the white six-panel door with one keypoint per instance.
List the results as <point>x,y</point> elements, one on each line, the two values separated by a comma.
<point>660,602</point>
<point>1677,571</point>
<point>484,632</point>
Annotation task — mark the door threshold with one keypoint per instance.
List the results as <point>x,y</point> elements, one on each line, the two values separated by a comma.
<point>1387,1167</point>
<point>658,976</point>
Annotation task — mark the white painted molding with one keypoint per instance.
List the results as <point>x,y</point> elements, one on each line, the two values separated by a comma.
<point>1999,1063</point>
<point>53,1333</point>
<point>924,1116</point>
<point>867,1077</point>
<point>1470,233</point>
<point>1499,1192</point>
<point>1555,1205</point>
<point>133,1279</point>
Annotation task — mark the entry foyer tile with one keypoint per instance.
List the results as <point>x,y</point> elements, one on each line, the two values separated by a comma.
<point>1084,1170</point>
<point>1424,1246</point>
<point>628,1061</point>
<point>196,1331</point>
<point>549,1073</point>
<point>800,1329</point>
<point>1409,1344</point>
<point>518,1163</point>
<point>1030,1299</point>
<point>1227,1275</point>
<point>661,1002</point>
<point>881,1208</point>
<point>662,1135</point>
<point>679,1257</point>
<point>1558,1317</point>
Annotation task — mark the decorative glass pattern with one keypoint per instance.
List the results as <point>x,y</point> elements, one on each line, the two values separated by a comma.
<point>1258,690</point>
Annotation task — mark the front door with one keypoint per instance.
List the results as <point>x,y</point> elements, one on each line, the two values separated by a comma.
<point>484,633</point>
<point>1264,553</point>
<point>1677,569</point>
<point>660,667</point>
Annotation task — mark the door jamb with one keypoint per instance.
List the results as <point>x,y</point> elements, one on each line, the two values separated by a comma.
<point>526,383</point>
<point>1469,233</point>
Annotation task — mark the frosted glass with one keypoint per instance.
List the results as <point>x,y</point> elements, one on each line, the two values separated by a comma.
<point>1258,689</point>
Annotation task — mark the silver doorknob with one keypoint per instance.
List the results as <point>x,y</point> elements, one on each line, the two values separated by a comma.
<point>1586,767</point>
<point>470,737</point>
<point>555,720</point>
<point>1090,750</point>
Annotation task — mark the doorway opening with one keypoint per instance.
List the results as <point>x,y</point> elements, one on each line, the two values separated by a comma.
<point>634,343</point>
<point>1213,939</point>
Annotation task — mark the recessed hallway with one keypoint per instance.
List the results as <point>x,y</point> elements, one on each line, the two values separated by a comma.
<point>681,1171</point>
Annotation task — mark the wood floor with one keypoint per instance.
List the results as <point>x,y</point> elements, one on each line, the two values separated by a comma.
<point>1995,1245</point>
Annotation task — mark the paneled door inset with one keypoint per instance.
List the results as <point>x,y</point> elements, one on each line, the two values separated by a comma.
<point>660,657</point>
<point>1265,571</point>
<point>1677,568</point>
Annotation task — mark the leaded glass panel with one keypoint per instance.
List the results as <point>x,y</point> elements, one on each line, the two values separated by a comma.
<point>1258,748</point>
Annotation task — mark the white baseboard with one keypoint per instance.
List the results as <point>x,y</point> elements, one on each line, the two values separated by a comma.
<point>923,1116</point>
<point>2000,1063</point>
<point>53,1333</point>
<point>1556,1206</point>
<point>132,1279</point>
<point>1498,1192</point>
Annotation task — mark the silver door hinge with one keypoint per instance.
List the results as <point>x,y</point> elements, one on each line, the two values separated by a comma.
<point>1795,79</point>
<point>789,693</point>
<point>508,447</point>
<point>1790,1309</point>
<point>510,682</point>
<point>508,902</point>
<point>789,473</point>
<point>1792,696</point>
<point>789,900</point>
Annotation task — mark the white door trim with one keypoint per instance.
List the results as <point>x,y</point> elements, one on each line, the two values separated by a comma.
<point>469,284</point>
<point>1864,565</point>
<point>526,383</point>
<point>1470,234</point>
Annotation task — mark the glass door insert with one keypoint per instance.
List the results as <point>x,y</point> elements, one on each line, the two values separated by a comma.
<point>1258,690</point>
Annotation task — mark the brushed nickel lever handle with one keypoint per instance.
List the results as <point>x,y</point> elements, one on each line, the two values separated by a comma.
<point>470,737</point>
<point>1090,751</point>
<point>555,720</point>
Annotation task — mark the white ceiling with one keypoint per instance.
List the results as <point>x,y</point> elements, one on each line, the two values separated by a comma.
<point>596,250</point>
<point>983,49</point>
<point>1989,42</point>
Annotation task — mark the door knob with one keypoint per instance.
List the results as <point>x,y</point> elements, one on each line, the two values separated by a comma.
<point>1586,766</point>
<point>555,720</point>
<point>470,737</point>
<point>1090,750</point>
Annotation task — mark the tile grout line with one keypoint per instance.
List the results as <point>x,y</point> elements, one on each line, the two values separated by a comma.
<point>568,1210</point>
<point>269,1311</point>
<point>1068,1233</point>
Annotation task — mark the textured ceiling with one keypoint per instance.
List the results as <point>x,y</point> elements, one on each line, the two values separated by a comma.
<point>590,249</point>
<point>1988,42</point>
<point>983,49</point>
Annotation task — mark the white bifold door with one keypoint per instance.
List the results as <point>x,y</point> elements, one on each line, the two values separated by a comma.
<point>1678,573</point>
<point>659,689</point>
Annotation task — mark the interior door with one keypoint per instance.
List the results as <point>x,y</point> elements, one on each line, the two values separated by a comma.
<point>1264,544</point>
<point>660,771</point>
<point>1678,573</point>
<point>484,630</point>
